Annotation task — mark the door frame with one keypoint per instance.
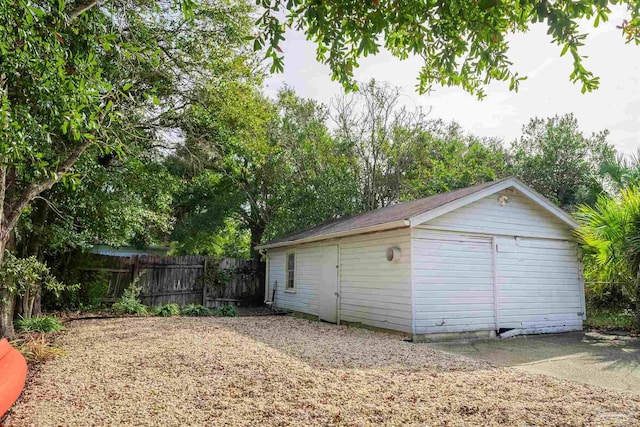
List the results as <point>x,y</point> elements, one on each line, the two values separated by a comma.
<point>334,250</point>
<point>339,288</point>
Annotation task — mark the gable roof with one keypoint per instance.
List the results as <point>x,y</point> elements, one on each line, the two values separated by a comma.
<point>412,213</point>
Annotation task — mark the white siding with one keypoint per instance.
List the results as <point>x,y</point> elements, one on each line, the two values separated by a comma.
<point>539,284</point>
<point>453,282</point>
<point>518,217</point>
<point>307,279</point>
<point>374,291</point>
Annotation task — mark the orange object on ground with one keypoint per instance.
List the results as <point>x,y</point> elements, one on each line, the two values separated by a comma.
<point>13,374</point>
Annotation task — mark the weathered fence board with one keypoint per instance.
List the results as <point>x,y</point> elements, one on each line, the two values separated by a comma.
<point>183,280</point>
<point>244,282</point>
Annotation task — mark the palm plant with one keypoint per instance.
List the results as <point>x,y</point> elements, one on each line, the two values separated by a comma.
<point>622,171</point>
<point>610,237</point>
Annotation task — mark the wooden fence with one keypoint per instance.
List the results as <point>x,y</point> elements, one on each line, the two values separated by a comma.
<point>190,279</point>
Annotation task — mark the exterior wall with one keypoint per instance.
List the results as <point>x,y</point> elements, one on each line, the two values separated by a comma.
<point>534,268</point>
<point>518,217</point>
<point>372,290</point>
<point>307,279</point>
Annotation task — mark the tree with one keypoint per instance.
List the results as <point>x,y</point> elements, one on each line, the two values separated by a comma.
<point>95,74</point>
<point>270,166</point>
<point>622,171</point>
<point>462,43</point>
<point>445,159</point>
<point>556,159</point>
<point>610,237</point>
<point>319,181</point>
<point>382,134</point>
<point>117,201</point>
<point>226,161</point>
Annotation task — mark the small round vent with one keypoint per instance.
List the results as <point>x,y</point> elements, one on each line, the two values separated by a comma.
<point>393,254</point>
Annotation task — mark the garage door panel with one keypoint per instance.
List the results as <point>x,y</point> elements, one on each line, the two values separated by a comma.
<point>453,284</point>
<point>538,283</point>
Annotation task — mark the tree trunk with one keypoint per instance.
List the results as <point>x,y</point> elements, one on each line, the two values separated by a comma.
<point>637,295</point>
<point>7,302</point>
<point>29,304</point>
<point>6,314</point>
<point>36,306</point>
<point>257,231</point>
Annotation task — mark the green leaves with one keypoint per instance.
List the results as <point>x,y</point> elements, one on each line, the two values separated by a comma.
<point>610,237</point>
<point>555,158</point>
<point>462,43</point>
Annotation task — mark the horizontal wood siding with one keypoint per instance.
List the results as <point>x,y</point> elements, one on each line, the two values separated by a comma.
<point>539,284</point>
<point>307,279</point>
<point>453,282</point>
<point>374,291</point>
<point>518,217</point>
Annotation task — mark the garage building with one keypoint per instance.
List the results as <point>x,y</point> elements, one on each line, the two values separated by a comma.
<point>479,261</point>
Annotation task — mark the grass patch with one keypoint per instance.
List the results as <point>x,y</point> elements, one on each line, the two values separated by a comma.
<point>195,310</point>
<point>608,320</point>
<point>227,311</point>
<point>39,324</point>
<point>168,310</point>
<point>36,347</point>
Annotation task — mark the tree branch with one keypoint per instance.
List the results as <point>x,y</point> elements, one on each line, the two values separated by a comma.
<point>82,8</point>
<point>12,214</point>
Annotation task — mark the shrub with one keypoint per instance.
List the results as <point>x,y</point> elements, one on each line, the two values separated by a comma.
<point>95,292</point>
<point>129,302</point>
<point>36,348</point>
<point>195,310</point>
<point>610,319</point>
<point>168,310</point>
<point>39,324</point>
<point>227,311</point>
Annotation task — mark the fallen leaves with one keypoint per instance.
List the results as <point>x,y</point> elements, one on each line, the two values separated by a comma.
<point>286,371</point>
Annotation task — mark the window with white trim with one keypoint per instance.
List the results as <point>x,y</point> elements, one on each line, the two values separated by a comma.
<point>291,270</point>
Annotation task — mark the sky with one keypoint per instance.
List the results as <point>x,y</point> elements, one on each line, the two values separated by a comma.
<point>547,92</point>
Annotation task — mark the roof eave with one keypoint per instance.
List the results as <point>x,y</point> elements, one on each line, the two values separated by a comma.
<point>362,230</point>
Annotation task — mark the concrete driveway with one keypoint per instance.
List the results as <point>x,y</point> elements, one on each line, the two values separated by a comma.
<point>609,361</point>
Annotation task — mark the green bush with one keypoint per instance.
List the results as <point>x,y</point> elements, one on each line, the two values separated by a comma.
<point>227,311</point>
<point>95,292</point>
<point>195,310</point>
<point>129,302</point>
<point>610,319</point>
<point>39,324</point>
<point>168,310</point>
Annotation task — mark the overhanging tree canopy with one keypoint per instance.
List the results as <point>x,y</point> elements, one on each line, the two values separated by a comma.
<point>463,43</point>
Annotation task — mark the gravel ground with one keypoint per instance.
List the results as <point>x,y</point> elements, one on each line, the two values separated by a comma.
<point>278,370</point>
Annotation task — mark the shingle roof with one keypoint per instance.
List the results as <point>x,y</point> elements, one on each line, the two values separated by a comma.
<point>392,213</point>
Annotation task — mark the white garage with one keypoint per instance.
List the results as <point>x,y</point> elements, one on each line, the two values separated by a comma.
<point>495,258</point>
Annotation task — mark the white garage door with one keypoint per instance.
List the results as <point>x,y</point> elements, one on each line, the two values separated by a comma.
<point>539,286</point>
<point>453,283</point>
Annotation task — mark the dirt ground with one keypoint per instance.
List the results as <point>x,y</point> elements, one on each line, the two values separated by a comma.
<point>276,370</point>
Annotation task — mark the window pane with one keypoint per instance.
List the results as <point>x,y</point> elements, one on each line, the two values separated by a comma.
<point>291,263</point>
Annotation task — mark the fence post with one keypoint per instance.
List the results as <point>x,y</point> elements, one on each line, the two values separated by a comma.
<point>134,267</point>
<point>204,283</point>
